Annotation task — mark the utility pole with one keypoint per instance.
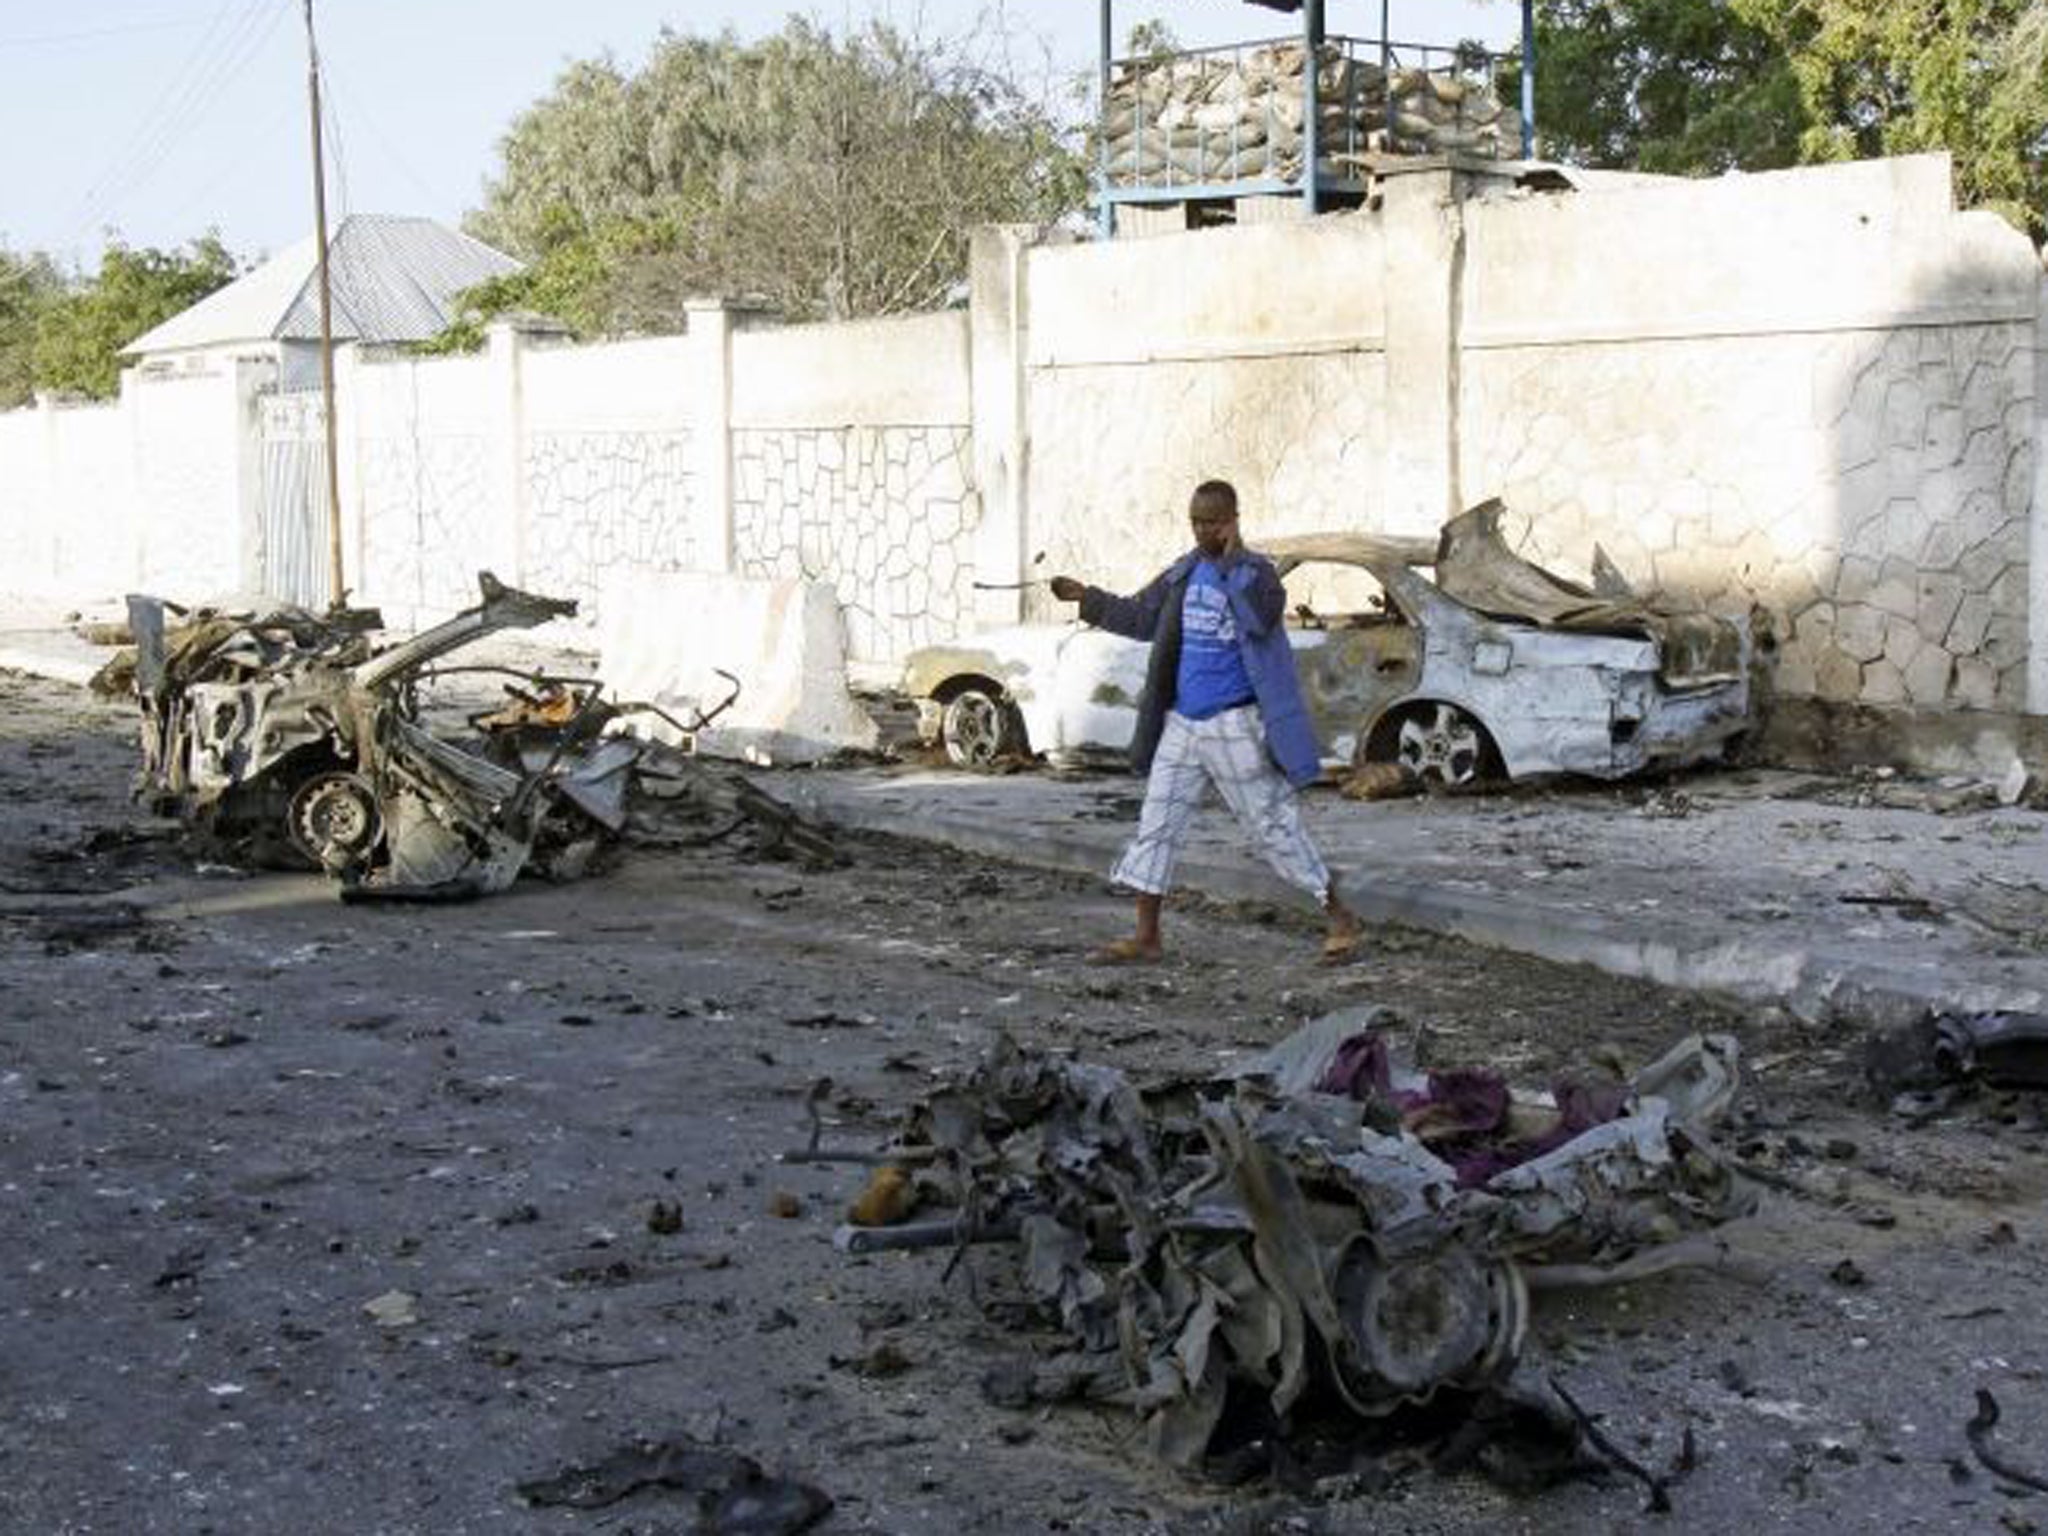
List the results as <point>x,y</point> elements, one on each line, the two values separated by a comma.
<point>337,590</point>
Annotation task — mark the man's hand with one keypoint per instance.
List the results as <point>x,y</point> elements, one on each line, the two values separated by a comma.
<point>1066,589</point>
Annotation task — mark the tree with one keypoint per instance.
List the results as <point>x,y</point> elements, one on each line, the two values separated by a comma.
<point>28,286</point>
<point>1701,86</point>
<point>80,336</point>
<point>828,176</point>
<point>1672,86</point>
<point>1897,76</point>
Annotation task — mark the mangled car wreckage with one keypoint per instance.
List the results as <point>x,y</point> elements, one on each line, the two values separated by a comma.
<point>1320,1223</point>
<point>1494,668</point>
<point>290,738</point>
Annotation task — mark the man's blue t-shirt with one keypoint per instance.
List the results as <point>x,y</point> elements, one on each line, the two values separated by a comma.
<point>1212,674</point>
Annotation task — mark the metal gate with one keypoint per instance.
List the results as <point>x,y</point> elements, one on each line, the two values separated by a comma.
<point>294,561</point>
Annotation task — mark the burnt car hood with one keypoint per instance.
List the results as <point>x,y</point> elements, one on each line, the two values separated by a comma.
<point>1472,565</point>
<point>1475,567</point>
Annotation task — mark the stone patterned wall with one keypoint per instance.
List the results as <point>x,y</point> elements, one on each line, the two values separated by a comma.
<point>595,500</point>
<point>887,514</point>
<point>1870,488</point>
<point>426,520</point>
<point>1116,450</point>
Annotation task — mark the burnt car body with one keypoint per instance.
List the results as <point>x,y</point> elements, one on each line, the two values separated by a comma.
<point>287,736</point>
<point>1488,667</point>
<point>291,739</point>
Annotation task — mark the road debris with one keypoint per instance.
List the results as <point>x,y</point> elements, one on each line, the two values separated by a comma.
<point>732,1495</point>
<point>289,739</point>
<point>1943,1052</point>
<point>1321,1227</point>
<point>1978,1432</point>
<point>1658,1488</point>
<point>887,1201</point>
<point>394,1309</point>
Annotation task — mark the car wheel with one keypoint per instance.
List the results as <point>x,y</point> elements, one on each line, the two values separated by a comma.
<point>978,728</point>
<point>334,820</point>
<point>1443,745</point>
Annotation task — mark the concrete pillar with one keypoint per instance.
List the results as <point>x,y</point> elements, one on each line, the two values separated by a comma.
<point>998,324</point>
<point>47,508</point>
<point>1424,252</point>
<point>252,567</point>
<point>133,523</point>
<point>711,324</point>
<point>503,347</point>
<point>363,584</point>
<point>2037,521</point>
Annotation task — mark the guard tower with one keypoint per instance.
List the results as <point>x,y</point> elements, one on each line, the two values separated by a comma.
<point>1293,125</point>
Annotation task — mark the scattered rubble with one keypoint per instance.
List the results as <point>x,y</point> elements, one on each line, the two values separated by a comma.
<point>1320,1227</point>
<point>1953,794</point>
<point>1945,1050</point>
<point>288,738</point>
<point>731,1494</point>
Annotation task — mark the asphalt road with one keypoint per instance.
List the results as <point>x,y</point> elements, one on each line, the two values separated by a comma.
<point>330,1219</point>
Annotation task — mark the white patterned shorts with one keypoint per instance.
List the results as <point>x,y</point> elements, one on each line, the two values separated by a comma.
<point>1229,751</point>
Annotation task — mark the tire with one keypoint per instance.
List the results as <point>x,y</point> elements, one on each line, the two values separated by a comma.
<point>1444,747</point>
<point>979,729</point>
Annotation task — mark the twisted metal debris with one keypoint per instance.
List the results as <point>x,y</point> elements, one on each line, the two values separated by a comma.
<point>1254,1234</point>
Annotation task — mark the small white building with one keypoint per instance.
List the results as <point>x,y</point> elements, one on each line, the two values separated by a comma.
<point>391,278</point>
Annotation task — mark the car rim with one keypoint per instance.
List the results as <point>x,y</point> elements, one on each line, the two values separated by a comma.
<point>1444,745</point>
<point>334,819</point>
<point>976,728</point>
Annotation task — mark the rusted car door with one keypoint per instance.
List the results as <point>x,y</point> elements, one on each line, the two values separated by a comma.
<point>1362,665</point>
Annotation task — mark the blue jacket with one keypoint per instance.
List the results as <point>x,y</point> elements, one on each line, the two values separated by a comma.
<point>1259,604</point>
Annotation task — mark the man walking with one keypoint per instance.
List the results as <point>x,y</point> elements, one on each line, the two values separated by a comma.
<point>1222,705</point>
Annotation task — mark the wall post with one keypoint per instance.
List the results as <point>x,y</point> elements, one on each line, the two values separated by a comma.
<point>710,391</point>
<point>1424,251</point>
<point>46,516</point>
<point>1000,428</point>
<point>140,528</point>
<point>253,565</point>
<point>504,345</point>
<point>2037,521</point>
<point>349,404</point>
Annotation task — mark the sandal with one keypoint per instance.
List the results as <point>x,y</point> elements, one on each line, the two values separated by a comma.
<point>1342,948</point>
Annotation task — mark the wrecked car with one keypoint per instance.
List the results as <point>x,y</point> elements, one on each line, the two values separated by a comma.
<point>1321,1228</point>
<point>288,738</point>
<point>1487,667</point>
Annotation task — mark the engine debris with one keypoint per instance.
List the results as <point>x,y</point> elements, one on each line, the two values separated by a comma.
<point>1258,1243</point>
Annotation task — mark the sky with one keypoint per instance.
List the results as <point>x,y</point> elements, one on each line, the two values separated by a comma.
<point>162,120</point>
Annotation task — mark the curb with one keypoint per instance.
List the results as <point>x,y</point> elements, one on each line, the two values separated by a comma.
<point>76,670</point>
<point>1811,983</point>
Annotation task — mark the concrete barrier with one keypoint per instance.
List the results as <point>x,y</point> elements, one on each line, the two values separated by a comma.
<point>663,634</point>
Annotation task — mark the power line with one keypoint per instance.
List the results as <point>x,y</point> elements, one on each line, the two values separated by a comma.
<point>333,91</point>
<point>139,138</point>
<point>222,54</point>
<point>223,173</point>
<point>50,39</point>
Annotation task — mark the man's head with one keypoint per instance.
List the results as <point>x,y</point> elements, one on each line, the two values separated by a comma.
<point>1212,512</point>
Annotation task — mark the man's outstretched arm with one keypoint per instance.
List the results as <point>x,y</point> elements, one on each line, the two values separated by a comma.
<point>1135,617</point>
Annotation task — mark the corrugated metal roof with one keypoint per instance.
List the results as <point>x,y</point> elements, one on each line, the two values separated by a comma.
<point>392,279</point>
